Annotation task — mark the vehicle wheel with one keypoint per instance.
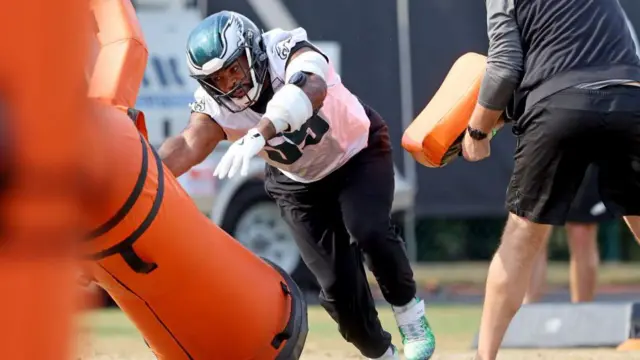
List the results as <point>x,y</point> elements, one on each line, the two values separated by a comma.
<point>254,220</point>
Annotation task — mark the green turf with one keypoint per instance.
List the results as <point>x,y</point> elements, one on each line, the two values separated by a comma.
<point>455,326</point>
<point>113,337</point>
<point>475,273</point>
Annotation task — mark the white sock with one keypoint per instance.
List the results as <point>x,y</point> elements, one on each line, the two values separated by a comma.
<point>406,306</point>
<point>387,353</point>
<point>389,350</point>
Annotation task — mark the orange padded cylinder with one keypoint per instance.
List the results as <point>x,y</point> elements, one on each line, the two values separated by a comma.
<point>192,290</point>
<point>43,157</point>
<point>122,58</point>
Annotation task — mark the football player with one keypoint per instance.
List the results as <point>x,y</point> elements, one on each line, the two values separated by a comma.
<point>329,168</point>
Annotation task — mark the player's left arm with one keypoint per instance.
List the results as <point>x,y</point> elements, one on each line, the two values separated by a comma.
<point>302,95</point>
<point>505,65</point>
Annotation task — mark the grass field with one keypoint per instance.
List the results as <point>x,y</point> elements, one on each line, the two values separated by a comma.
<point>112,337</point>
<point>475,273</point>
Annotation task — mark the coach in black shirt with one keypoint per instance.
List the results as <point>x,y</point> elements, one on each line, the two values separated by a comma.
<point>568,75</point>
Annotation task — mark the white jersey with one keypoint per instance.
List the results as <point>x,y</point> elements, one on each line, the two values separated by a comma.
<point>323,144</point>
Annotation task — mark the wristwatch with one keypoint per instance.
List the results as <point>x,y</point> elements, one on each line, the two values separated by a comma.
<point>476,134</point>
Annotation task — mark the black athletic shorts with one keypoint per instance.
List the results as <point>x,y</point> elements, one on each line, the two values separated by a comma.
<point>587,206</point>
<point>560,136</point>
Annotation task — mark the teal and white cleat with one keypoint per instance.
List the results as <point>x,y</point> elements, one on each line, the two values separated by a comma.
<point>417,337</point>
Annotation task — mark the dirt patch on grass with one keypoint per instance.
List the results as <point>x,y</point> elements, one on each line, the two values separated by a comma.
<point>109,335</point>
<point>124,348</point>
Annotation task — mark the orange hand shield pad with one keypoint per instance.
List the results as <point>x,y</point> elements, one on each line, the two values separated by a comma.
<point>435,133</point>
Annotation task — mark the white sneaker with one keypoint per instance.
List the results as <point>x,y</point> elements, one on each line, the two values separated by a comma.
<point>417,337</point>
<point>391,354</point>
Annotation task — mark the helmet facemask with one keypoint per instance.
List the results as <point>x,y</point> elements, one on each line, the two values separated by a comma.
<point>247,43</point>
<point>254,75</point>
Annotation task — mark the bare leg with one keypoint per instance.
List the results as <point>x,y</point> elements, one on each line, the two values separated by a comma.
<point>585,259</point>
<point>507,281</point>
<point>538,281</point>
<point>634,225</point>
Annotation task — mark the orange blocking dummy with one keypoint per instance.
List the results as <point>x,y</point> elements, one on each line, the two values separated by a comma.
<point>43,157</point>
<point>434,137</point>
<point>191,290</point>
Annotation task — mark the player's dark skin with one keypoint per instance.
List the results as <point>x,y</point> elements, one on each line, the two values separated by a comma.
<point>202,134</point>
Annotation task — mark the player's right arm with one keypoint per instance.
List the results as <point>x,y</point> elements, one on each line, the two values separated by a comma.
<point>181,152</point>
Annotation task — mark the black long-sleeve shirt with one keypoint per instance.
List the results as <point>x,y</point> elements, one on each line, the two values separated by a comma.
<point>505,61</point>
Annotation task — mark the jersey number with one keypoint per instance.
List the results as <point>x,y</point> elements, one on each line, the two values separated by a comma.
<point>310,133</point>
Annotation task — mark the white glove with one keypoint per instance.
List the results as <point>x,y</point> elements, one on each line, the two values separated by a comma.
<point>239,155</point>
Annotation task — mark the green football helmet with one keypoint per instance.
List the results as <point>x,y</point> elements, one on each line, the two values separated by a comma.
<point>217,42</point>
